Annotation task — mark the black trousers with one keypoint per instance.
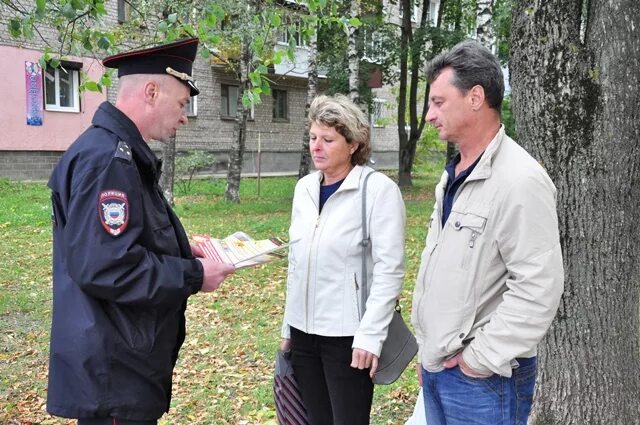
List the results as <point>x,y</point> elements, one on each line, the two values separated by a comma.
<point>113,421</point>
<point>333,392</point>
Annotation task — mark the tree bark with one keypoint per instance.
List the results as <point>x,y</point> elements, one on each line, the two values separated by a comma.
<point>167,178</point>
<point>575,99</point>
<point>484,24</point>
<point>352,54</point>
<point>312,90</point>
<point>234,172</point>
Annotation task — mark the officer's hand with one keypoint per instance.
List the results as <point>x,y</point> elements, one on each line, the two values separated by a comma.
<point>214,273</point>
<point>196,251</point>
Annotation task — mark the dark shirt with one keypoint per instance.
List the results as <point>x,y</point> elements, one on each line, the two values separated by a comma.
<point>453,184</point>
<point>327,191</point>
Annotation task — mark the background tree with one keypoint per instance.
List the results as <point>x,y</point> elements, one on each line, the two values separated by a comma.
<point>484,24</point>
<point>575,77</point>
<point>312,91</point>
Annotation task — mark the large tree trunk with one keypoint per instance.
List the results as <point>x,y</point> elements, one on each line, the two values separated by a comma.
<point>232,191</point>
<point>312,90</point>
<point>352,54</point>
<point>575,98</point>
<point>168,169</point>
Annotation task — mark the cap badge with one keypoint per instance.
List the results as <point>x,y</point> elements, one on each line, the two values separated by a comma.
<point>180,75</point>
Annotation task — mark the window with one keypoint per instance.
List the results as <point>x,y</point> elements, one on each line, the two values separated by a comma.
<point>378,112</point>
<point>61,88</point>
<point>124,11</point>
<point>431,14</point>
<point>191,108</point>
<point>290,33</point>
<point>280,110</point>
<point>373,50</point>
<point>229,102</point>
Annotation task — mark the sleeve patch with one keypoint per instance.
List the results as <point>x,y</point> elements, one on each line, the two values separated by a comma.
<point>113,210</point>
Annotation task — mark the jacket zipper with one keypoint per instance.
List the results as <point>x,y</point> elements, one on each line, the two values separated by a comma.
<point>306,292</point>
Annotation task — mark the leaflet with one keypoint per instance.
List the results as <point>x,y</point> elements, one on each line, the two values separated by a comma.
<point>240,250</point>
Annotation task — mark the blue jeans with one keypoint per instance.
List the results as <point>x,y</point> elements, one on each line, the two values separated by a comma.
<point>452,398</point>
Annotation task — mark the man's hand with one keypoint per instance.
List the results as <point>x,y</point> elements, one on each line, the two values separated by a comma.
<point>419,372</point>
<point>458,360</point>
<point>362,359</point>
<point>214,273</point>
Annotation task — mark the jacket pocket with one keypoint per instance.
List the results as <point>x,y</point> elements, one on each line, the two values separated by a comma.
<point>470,226</point>
<point>135,326</point>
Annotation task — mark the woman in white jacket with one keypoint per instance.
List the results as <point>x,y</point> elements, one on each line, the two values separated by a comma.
<point>334,352</point>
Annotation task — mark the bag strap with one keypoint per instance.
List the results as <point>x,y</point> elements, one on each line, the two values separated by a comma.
<point>366,242</point>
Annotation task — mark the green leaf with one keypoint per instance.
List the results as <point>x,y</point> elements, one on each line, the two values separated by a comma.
<point>93,86</point>
<point>275,20</point>
<point>262,69</point>
<point>256,79</point>
<point>41,7</point>
<point>172,18</point>
<point>355,22</point>
<point>105,80</point>
<point>15,28</point>
<point>54,63</point>
<point>100,9</point>
<point>162,26</point>
<point>68,11</point>
<point>78,4</point>
<point>27,28</point>
<point>246,99</point>
<point>104,43</point>
<point>42,62</point>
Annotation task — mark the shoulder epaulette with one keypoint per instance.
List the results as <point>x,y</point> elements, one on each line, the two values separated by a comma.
<point>123,151</point>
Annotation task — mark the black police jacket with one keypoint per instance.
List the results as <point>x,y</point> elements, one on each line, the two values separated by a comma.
<point>122,273</point>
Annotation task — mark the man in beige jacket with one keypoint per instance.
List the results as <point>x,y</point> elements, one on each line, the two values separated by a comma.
<point>491,274</point>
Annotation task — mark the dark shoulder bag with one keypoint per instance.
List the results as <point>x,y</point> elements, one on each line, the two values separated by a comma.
<point>400,347</point>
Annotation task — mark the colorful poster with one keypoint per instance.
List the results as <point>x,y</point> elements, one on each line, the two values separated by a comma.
<point>33,79</point>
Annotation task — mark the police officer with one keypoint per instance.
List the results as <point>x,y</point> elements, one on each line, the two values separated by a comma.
<point>123,267</point>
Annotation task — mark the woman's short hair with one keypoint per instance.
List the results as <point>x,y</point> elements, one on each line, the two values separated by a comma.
<point>341,113</point>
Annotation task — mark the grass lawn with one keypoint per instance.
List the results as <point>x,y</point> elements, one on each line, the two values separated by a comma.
<point>224,374</point>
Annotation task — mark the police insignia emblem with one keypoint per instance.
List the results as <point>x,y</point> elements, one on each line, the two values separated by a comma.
<point>113,209</point>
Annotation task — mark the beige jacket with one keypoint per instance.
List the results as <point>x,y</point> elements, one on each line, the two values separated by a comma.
<point>491,278</point>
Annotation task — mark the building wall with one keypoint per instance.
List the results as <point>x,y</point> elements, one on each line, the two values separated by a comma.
<point>30,153</point>
<point>58,129</point>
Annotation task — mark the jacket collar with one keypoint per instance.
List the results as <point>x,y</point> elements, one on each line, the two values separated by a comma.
<point>483,168</point>
<point>351,182</point>
<point>113,119</point>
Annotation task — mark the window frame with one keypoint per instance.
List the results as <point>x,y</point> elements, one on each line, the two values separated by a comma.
<point>378,116</point>
<point>74,71</point>
<point>277,95</point>
<point>227,116</point>
<point>191,109</point>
